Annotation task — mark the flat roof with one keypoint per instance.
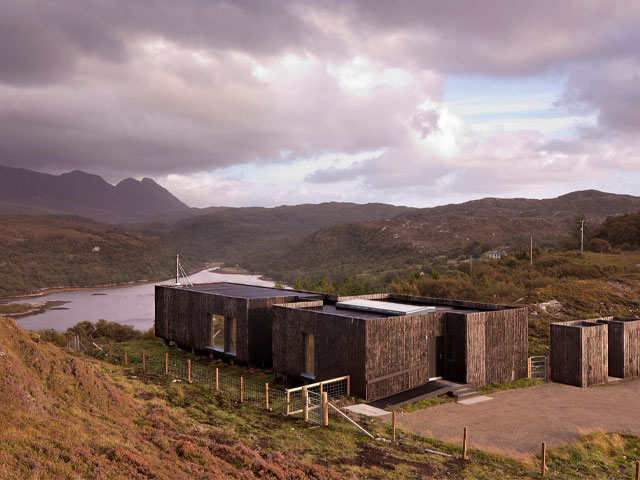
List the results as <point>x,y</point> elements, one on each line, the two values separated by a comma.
<point>347,312</point>
<point>239,290</point>
<point>388,308</point>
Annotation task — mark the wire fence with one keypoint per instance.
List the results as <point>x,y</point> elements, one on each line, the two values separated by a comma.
<point>287,401</point>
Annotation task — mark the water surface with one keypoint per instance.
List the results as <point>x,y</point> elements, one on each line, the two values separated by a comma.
<point>129,305</point>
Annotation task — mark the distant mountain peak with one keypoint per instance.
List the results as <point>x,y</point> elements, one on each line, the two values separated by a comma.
<point>84,194</point>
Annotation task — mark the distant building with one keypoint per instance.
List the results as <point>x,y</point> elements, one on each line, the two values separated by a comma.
<point>496,254</point>
<point>95,249</point>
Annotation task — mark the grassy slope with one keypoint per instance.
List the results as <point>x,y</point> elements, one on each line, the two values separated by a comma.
<point>39,252</point>
<point>70,417</point>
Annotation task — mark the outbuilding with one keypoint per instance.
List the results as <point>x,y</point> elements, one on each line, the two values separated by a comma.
<point>579,352</point>
<point>624,346</point>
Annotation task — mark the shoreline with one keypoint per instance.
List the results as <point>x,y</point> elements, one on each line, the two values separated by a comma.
<point>47,291</point>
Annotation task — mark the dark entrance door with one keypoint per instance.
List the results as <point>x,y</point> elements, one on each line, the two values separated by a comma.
<point>436,357</point>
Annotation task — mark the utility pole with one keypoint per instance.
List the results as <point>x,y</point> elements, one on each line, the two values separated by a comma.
<point>470,264</point>
<point>177,269</point>
<point>531,251</point>
<point>581,235</point>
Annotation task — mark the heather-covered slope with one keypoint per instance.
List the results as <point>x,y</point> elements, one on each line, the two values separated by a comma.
<point>63,417</point>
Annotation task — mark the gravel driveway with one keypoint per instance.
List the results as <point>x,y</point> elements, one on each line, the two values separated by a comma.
<point>516,422</point>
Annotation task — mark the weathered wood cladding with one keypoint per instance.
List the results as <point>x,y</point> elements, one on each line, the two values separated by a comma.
<point>399,344</point>
<point>183,316</point>
<point>186,314</point>
<point>339,344</point>
<point>496,346</point>
<point>579,353</point>
<point>479,347</point>
<point>624,346</point>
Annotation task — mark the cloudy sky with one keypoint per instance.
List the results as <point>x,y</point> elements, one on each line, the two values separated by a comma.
<point>281,102</point>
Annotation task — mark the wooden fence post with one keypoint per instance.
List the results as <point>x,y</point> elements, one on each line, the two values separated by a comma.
<point>288,401</point>
<point>126,361</point>
<point>637,470</point>
<point>464,444</point>
<point>305,404</point>
<point>110,351</point>
<point>189,369</point>
<point>241,389</point>
<point>266,388</point>
<point>144,361</point>
<point>325,409</point>
<point>393,426</point>
<point>348,385</point>
<point>217,380</point>
<point>544,459</point>
<point>529,367</point>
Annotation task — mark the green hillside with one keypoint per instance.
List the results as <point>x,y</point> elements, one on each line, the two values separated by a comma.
<point>43,252</point>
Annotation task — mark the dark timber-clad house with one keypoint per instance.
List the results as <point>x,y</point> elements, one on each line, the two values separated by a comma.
<point>229,320</point>
<point>389,343</point>
<point>579,352</point>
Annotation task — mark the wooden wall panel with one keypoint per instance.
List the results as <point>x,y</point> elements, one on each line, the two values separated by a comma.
<point>339,345</point>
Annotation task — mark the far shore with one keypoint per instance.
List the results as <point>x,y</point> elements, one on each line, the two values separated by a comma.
<point>218,267</point>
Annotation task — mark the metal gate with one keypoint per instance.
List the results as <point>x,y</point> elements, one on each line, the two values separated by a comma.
<point>538,367</point>
<point>314,407</point>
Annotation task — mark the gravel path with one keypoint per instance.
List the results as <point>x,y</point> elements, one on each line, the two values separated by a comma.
<point>516,422</point>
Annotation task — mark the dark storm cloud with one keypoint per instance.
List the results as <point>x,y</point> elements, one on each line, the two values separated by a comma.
<point>153,87</point>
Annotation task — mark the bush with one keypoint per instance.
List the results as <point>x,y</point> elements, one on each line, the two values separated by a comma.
<point>106,330</point>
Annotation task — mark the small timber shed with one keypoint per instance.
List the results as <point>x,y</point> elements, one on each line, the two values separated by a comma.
<point>579,352</point>
<point>228,320</point>
<point>624,346</point>
<point>390,343</point>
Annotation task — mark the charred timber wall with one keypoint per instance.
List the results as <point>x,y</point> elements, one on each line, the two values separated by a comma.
<point>624,346</point>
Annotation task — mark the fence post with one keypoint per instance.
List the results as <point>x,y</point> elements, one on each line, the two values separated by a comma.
<point>393,426</point>
<point>348,385</point>
<point>266,387</point>
<point>144,361</point>
<point>166,363</point>
<point>321,388</point>
<point>464,444</point>
<point>110,345</point>
<point>305,404</point>
<point>325,409</point>
<point>529,367</point>
<point>288,401</point>
<point>241,389</point>
<point>217,380</point>
<point>544,459</point>
<point>189,369</point>
<point>637,470</point>
<point>546,368</point>
<point>126,361</point>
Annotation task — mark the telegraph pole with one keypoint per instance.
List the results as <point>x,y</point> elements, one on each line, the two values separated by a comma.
<point>531,251</point>
<point>470,264</point>
<point>581,235</point>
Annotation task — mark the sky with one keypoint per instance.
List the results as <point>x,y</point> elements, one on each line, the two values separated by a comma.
<point>266,102</point>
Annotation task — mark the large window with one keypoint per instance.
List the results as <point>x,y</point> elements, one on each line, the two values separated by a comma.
<point>216,332</point>
<point>231,332</point>
<point>309,355</point>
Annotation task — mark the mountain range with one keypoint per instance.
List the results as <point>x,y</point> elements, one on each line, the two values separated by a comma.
<point>79,193</point>
<point>301,240</point>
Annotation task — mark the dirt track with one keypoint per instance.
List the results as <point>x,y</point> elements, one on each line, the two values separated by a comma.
<point>516,422</point>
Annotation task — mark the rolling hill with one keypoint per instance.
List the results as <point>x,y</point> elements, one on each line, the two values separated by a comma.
<point>38,252</point>
<point>414,236</point>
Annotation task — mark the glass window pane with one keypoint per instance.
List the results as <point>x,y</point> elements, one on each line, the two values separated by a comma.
<point>232,335</point>
<point>309,356</point>
<point>216,331</point>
